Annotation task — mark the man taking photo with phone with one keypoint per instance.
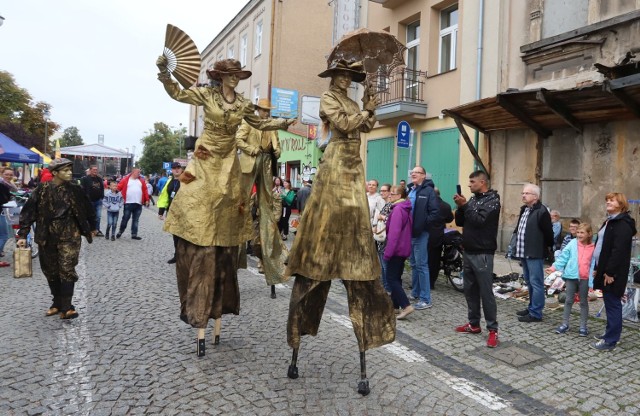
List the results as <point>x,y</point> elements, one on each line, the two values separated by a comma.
<point>479,217</point>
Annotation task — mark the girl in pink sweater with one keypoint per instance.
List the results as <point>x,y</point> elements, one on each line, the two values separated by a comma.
<point>576,263</point>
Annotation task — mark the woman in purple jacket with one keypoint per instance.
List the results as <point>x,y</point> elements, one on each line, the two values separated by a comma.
<point>399,225</point>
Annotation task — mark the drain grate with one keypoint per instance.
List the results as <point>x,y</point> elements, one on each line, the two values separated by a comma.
<point>514,356</point>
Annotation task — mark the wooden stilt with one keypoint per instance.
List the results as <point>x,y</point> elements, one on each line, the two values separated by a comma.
<point>216,331</point>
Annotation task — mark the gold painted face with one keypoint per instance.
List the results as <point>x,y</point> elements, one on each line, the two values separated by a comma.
<point>230,80</point>
<point>342,79</point>
<point>65,174</point>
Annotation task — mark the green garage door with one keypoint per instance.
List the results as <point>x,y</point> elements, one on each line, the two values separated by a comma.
<point>440,155</point>
<point>380,160</point>
<point>402,168</point>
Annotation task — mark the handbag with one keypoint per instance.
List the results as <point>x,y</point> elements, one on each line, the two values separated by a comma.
<point>22,262</point>
<point>380,235</point>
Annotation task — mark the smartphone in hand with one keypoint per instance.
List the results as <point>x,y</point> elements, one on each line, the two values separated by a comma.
<point>458,189</point>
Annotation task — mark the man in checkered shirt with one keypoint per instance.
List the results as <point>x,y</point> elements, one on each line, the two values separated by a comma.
<point>534,238</point>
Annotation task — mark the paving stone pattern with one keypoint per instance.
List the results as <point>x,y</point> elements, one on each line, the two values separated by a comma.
<point>128,352</point>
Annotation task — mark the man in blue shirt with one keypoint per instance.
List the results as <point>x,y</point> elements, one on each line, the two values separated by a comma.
<point>425,210</point>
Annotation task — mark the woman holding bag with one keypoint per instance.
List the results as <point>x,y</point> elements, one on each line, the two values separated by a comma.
<point>398,249</point>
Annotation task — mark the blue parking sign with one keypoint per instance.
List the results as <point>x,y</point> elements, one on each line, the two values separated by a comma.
<point>404,134</point>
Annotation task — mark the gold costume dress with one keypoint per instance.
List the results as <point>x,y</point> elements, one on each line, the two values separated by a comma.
<point>211,214</point>
<point>267,244</point>
<point>334,238</point>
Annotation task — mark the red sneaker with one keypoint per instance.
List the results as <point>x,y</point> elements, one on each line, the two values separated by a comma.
<point>492,341</point>
<point>468,329</point>
<point>4,264</point>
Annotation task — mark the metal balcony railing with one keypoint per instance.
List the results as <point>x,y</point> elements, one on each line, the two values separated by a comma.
<point>401,85</point>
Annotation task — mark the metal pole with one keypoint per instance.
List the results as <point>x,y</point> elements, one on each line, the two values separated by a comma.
<point>409,167</point>
<point>46,125</point>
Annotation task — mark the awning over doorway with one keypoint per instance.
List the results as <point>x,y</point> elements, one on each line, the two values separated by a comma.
<point>546,110</point>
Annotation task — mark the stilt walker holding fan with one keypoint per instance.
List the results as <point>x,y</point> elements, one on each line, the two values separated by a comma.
<point>210,215</point>
<point>334,239</point>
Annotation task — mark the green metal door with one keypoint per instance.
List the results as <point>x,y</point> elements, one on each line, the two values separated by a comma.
<point>380,160</point>
<point>402,168</point>
<point>440,156</point>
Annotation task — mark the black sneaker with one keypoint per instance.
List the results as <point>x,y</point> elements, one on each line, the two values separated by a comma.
<point>113,238</point>
<point>172,260</point>
<point>99,234</point>
<point>118,235</point>
<point>529,318</point>
<point>106,236</point>
<point>523,312</point>
<point>135,237</point>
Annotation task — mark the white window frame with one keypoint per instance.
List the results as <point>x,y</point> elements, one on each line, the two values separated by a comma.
<point>256,94</point>
<point>453,31</point>
<point>231,52</point>
<point>220,57</point>
<point>259,38</point>
<point>410,83</point>
<point>243,50</point>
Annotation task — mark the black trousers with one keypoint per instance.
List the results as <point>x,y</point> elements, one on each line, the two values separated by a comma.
<point>434,263</point>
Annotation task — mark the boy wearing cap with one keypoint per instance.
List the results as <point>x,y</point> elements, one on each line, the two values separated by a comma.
<point>63,214</point>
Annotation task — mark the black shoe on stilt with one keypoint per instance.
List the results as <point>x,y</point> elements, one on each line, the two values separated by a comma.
<point>273,291</point>
<point>363,384</point>
<point>200,348</point>
<point>292,373</point>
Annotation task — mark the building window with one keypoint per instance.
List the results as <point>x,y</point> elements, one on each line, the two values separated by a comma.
<point>259,38</point>
<point>231,53</point>
<point>243,50</point>
<point>256,94</point>
<point>220,56</point>
<point>413,44</point>
<point>448,38</point>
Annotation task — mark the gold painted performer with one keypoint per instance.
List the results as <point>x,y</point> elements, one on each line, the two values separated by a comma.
<point>334,237</point>
<point>210,214</point>
<point>257,164</point>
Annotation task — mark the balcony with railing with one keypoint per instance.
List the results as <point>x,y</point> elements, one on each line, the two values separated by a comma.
<point>401,94</point>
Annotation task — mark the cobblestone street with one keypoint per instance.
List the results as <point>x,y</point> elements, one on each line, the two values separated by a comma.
<point>129,353</point>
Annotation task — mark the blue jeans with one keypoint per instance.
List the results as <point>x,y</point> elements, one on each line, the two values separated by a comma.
<point>97,205</point>
<point>534,278</point>
<point>613,306</point>
<point>383,276</point>
<point>419,260</point>
<point>4,231</point>
<point>129,210</point>
<point>112,221</point>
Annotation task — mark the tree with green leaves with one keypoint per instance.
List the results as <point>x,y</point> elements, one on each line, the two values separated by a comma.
<point>20,118</point>
<point>162,144</point>
<point>71,137</point>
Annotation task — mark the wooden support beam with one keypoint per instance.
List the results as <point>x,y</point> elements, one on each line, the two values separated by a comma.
<point>518,113</point>
<point>622,97</point>
<point>465,121</point>
<point>470,145</point>
<point>559,109</point>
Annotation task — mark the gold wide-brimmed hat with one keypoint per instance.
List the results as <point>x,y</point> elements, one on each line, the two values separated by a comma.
<point>59,163</point>
<point>227,67</point>
<point>355,68</point>
<point>264,104</point>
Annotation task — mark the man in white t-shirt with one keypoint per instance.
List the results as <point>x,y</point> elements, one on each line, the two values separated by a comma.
<point>135,194</point>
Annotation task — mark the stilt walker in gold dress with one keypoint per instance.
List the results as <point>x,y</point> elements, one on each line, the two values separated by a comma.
<point>259,152</point>
<point>334,238</point>
<point>211,214</point>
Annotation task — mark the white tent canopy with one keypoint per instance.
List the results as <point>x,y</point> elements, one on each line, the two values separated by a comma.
<point>97,150</point>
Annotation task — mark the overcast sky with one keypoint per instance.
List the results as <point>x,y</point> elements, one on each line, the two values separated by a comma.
<point>94,61</point>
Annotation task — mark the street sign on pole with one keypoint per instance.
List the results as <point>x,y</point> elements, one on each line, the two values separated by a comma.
<point>166,165</point>
<point>404,134</point>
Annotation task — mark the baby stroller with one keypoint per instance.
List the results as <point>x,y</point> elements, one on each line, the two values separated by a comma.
<point>452,258</point>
